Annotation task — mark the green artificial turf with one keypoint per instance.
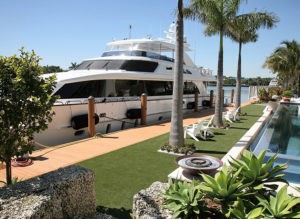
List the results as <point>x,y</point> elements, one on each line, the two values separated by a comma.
<point>122,173</point>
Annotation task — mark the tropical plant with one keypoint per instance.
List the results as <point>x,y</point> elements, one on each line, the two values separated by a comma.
<point>184,199</point>
<point>288,93</point>
<point>263,94</point>
<point>285,61</point>
<point>25,104</point>
<point>240,211</point>
<point>280,206</point>
<point>176,133</point>
<point>216,15</point>
<point>14,180</point>
<point>253,170</point>
<point>243,29</point>
<point>224,188</point>
<point>73,65</point>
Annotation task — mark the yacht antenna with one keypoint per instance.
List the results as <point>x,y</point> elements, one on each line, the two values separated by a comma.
<point>130,27</point>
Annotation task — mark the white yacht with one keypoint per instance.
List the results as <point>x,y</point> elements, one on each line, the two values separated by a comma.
<point>273,83</point>
<point>117,79</point>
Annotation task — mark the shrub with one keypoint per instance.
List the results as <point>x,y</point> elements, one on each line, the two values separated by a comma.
<point>187,148</point>
<point>288,93</point>
<point>184,199</point>
<point>247,190</point>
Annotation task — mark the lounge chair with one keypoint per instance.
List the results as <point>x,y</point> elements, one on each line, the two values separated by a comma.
<point>201,129</point>
<point>192,130</point>
<point>205,128</point>
<point>232,115</point>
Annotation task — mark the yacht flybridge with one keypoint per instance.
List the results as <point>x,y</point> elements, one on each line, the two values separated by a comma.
<point>117,79</point>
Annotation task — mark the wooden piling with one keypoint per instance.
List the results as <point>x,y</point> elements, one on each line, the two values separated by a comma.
<point>196,102</point>
<point>211,98</point>
<point>91,115</point>
<point>144,109</point>
<point>232,96</point>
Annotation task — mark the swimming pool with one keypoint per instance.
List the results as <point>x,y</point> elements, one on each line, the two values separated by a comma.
<point>282,135</point>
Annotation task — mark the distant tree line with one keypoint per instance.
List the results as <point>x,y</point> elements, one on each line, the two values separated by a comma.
<point>231,81</point>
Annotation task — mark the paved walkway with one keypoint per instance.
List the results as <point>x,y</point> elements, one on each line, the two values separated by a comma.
<point>53,158</point>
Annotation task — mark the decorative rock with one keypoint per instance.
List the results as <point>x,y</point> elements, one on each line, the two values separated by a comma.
<point>148,203</point>
<point>65,193</point>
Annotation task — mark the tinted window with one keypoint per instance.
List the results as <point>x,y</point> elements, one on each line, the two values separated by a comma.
<point>120,88</point>
<point>128,65</point>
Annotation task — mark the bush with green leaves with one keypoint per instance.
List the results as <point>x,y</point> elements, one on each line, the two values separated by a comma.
<point>288,93</point>
<point>263,94</point>
<point>187,148</point>
<point>280,206</point>
<point>224,188</point>
<point>25,104</point>
<point>260,175</point>
<point>245,190</point>
<point>184,199</point>
<point>240,211</point>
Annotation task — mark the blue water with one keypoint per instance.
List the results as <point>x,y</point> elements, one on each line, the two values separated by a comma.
<point>227,92</point>
<point>282,135</point>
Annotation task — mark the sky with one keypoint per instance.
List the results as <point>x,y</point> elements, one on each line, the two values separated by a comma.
<point>65,31</point>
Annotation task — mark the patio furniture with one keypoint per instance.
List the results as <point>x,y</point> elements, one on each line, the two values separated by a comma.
<point>201,129</point>
<point>231,115</point>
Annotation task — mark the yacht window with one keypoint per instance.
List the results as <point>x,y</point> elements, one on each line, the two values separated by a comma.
<point>128,65</point>
<point>120,88</point>
<point>151,55</point>
<point>82,89</point>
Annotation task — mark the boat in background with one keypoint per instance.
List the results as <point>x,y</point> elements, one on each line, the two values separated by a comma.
<point>273,83</point>
<point>127,69</point>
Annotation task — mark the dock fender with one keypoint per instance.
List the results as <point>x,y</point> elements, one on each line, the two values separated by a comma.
<point>81,121</point>
<point>133,113</point>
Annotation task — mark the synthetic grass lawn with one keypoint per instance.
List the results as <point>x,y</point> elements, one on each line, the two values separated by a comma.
<point>122,173</point>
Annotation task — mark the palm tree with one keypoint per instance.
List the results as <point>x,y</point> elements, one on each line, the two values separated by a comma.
<point>73,65</point>
<point>176,133</point>
<point>285,61</point>
<point>243,29</point>
<point>216,15</point>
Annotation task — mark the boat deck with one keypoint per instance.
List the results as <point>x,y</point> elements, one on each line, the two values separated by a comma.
<point>56,157</point>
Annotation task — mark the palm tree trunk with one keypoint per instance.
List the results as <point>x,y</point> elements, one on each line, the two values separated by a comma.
<point>238,78</point>
<point>219,100</point>
<point>8,172</point>
<point>176,133</point>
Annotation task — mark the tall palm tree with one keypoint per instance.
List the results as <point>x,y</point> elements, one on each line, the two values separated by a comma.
<point>216,15</point>
<point>176,133</point>
<point>285,61</point>
<point>243,29</point>
<point>73,65</point>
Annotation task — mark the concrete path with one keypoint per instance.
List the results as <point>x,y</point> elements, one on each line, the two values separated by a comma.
<point>53,158</point>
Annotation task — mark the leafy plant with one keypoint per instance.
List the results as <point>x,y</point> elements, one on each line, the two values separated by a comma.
<point>184,199</point>
<point>224,188</point>
<point>183,150</point>
<point>280,206</point>
<point>254,171</point>
<point>288,93</point>
<point>26,102</point>
<point>239,211</point>
<point>14,180</point>
<point>263,94</point>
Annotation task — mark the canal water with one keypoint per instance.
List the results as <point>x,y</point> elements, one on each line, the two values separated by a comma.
<point>227,92</point>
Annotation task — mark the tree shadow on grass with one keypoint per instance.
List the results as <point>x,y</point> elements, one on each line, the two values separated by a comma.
<point>219,133</point>
<point>233,127</point>
<point>209,152</point>
<point>115,212</point>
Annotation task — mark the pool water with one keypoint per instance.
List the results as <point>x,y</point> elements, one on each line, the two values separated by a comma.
<point>282,135</point>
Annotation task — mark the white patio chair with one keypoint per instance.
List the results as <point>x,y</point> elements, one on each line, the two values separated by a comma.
<point>232,115</point>
<point>192,130</point>
<point>205,128</point>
